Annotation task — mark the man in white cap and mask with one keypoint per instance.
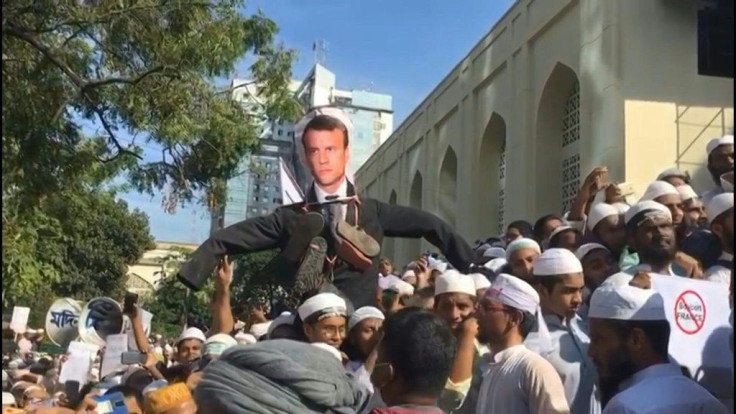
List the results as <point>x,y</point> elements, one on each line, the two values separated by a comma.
<point>630,338</point>
<point>520,255</point>
<point>517,380</point>
<point>720,215</point>
<point>651,233</point>
<point>720,162</point>
<point>351,227</point>
<point>558,277</point>
<point>454,302</point>
<point>324,318</point>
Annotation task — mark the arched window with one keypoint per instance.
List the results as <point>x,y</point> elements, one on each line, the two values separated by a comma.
<point>570,152</point>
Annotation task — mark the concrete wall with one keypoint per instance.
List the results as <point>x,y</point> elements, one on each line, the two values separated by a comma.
<point>496,141</point>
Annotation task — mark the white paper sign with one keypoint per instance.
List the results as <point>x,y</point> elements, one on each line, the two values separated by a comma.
<point>116,345</point>
<point>76,368</point>
<point>146,318</point>
<point>80,347</point>
<point>19,321</point>
<point>700,332</point>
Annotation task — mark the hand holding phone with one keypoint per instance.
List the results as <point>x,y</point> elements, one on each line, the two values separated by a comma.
<point>132,358</point>
<point>129,308</point>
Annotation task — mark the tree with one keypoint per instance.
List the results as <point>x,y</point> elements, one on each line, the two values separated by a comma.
<point>140,73</point>
<point>84,251</point>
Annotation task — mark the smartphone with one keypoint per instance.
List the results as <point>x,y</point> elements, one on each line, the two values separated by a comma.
<point>132,358</point>
<point>110,404</point>
<point>129,303</point>
<point>71,389</point>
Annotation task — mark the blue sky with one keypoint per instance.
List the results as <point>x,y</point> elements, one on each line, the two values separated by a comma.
<point>398,47</point>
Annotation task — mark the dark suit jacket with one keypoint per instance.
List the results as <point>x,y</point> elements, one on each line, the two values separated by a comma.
<point>376,218</point>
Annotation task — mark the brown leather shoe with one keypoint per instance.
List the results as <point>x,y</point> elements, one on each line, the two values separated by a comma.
<point>358,238</point>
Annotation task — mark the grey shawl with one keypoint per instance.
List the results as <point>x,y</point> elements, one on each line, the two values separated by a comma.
<point>277,376</point>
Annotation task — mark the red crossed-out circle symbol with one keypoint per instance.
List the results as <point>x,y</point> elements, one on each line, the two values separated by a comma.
<point>690,312</point>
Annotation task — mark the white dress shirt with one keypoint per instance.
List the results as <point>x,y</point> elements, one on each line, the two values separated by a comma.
<point>342,192</point>
<point>663,389</point>
<point>718,273</point>
<point>570,359</point>
<point>519,381</point>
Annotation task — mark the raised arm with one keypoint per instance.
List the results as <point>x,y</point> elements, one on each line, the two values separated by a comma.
<point>408,222</point>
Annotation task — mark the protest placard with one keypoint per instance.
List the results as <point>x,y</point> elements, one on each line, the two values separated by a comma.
<point>19,320</point>
<point>116,345</point>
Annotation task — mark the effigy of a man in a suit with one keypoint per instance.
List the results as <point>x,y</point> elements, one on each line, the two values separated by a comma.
<point>334,236</point>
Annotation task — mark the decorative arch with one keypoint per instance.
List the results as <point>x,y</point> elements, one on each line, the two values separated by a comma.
<point>558,142</point>
<point>447,194</point>
<point>415,193</point>
<point>412,247</point>
<point>491,176</point>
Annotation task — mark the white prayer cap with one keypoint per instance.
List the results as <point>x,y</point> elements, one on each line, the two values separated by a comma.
<point>518,294</point>
<point>361,314</point>
<point>329,348</point>
<point>323,302</point>
<point>621,207</point>
<point>192,333</point>
<point>686,192</point>
<point>555,262</point>
<point>453,281</point>
<point>717,142</point>
<point>8,399</point>
<point>659,189</point>
<point>386,281</point>
<point>560,229</point>
<point>483,247</point>
<point>644,209</point>
<point>408,274</point>
<point>522,243</point>
<point>617,279</point>
<point>480,280</point>
<point>719,205</point>
<point>286,318</point>
<point>217,344</point>
<point>583,250</point>
<point>245,338</point>
<point>599,212</point>
<point>514,292</point>
<point>260,329</point>
<point>495,264</point>
<point>239,325</point>
<point>401,287</point>
<point>494,252</point>
<point>671,172</point>
<point>626,303</point>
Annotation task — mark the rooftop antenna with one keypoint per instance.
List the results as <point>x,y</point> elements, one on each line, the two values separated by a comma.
<point>319,47</point>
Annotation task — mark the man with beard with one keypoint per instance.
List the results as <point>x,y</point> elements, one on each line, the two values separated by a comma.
<point>629,345</point>
<point>694,209</point>
<point>720,212</point>
<point>517,379</point>
<point>558,277</point>
<point>651,233</point>
<point>606,224</point>
<point>598,263</point>
<point>720,162</point>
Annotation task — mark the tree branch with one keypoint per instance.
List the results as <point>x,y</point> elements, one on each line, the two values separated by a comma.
<point>113,139</point>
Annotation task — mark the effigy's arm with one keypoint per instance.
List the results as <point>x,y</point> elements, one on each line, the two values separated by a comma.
<point>408,222</point>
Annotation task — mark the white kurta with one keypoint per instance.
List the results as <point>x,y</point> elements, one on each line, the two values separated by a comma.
<point>570,359</point>
<point>519,381</point>
<point>662,389</point>
<point>718,273</point>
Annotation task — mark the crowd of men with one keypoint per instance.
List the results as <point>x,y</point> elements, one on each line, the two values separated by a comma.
<point>559,316</point>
